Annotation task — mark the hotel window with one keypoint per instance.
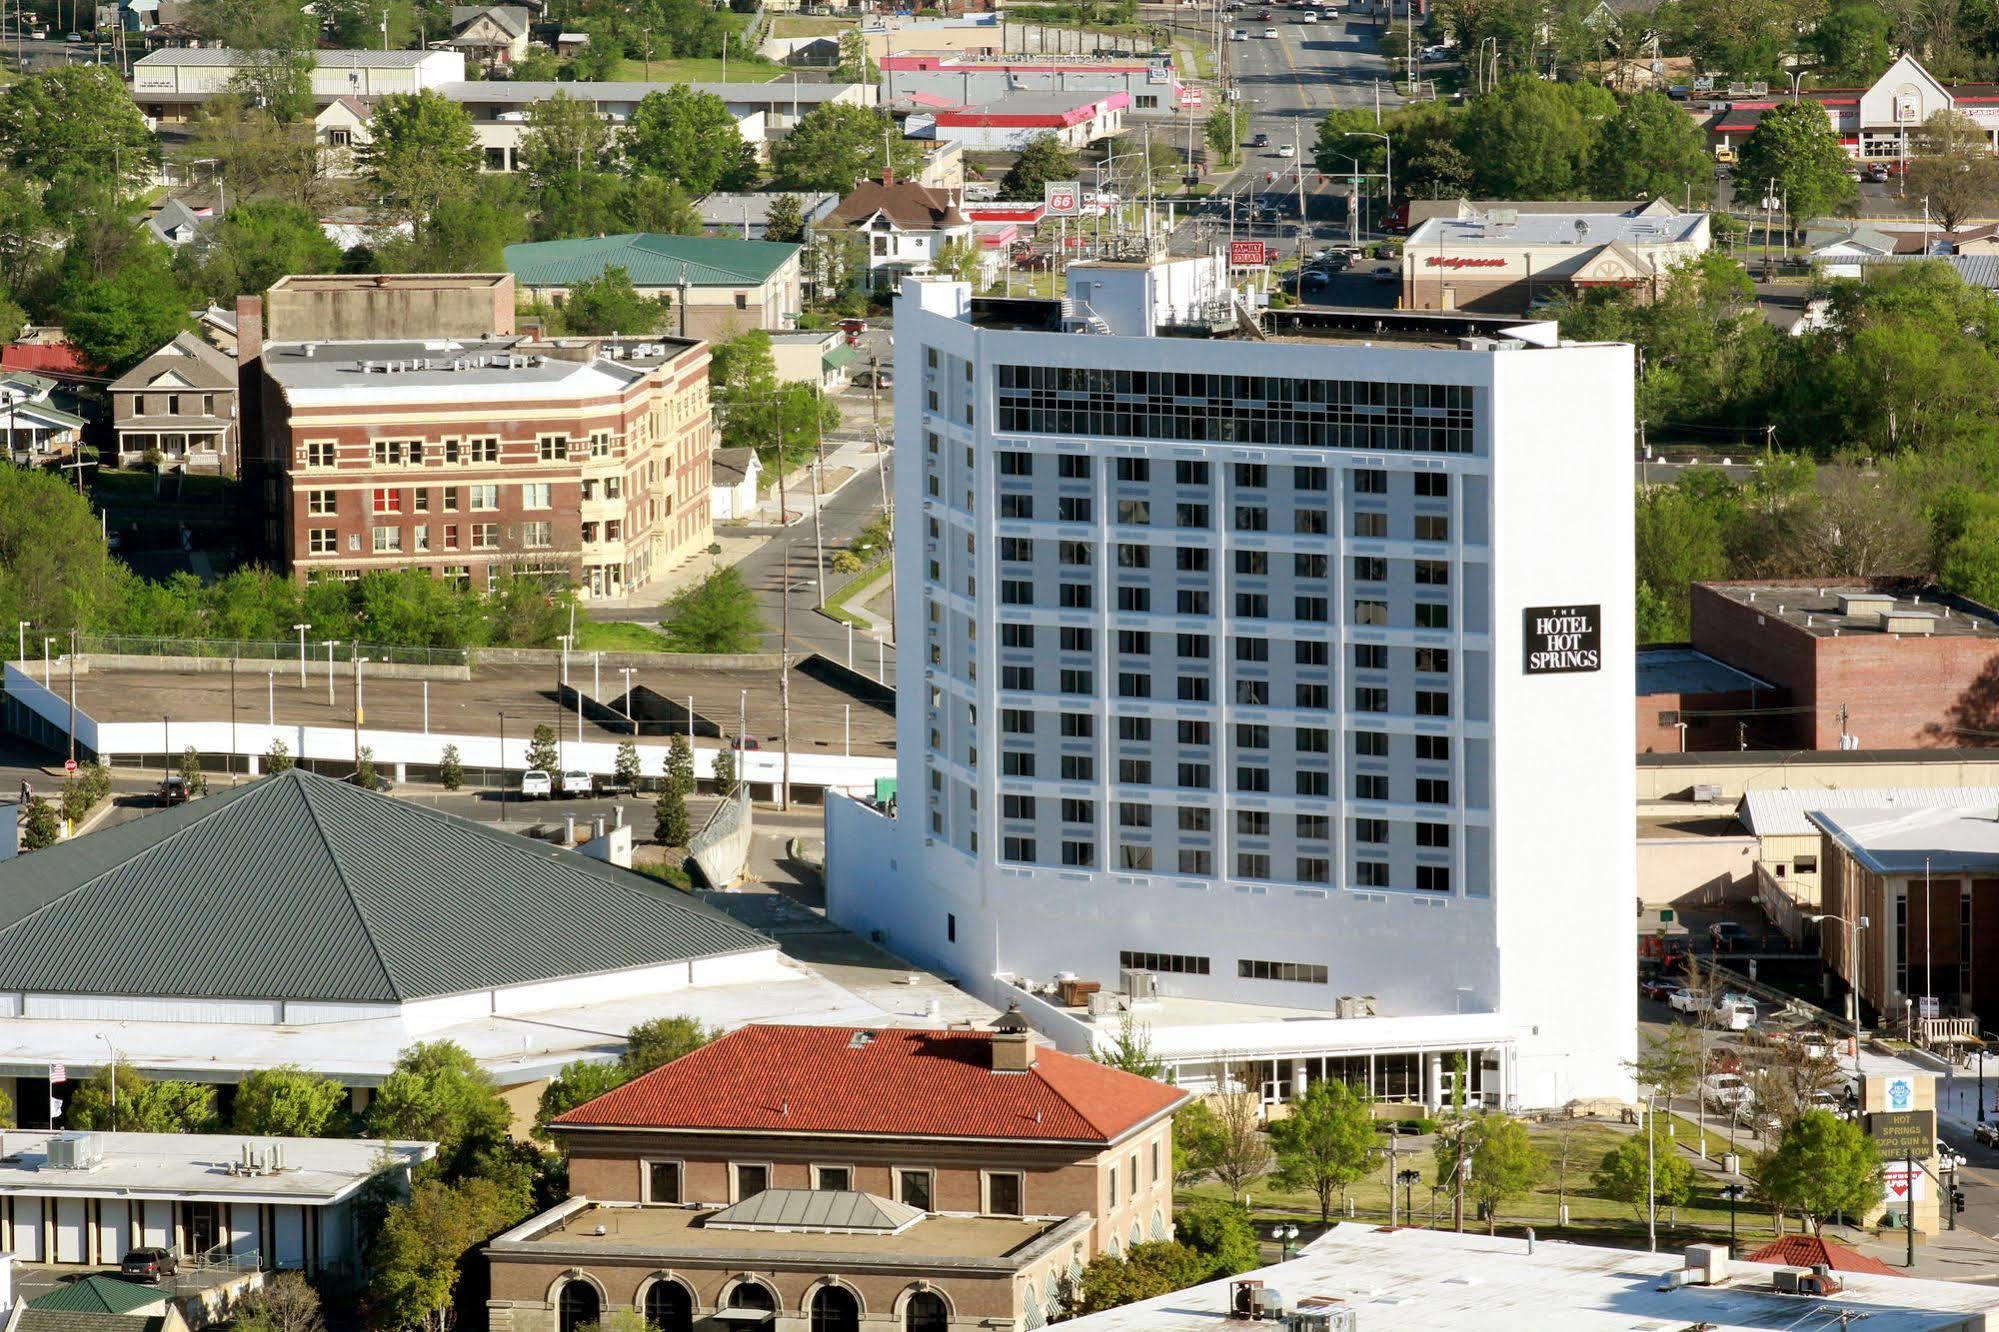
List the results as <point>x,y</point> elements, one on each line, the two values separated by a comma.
<point>1370,481</point>
<point>388,539</point>
<point>1370,569</point>
<point>537,536</point>
<point>484,497</point>
<point>1018,849</point>
<point>322,503</point>
<point>1433,878</point>
<point>1432,485</point>
<point>1432,615</point>
<point>485,536</point>
<point>1072,467</point>
<point>662,1182</point>
<point>1003,1195</point>
<point>485,450</point>
<point>1196,861</point>
<point>421,497</point>
<point>1370,524</point>
<point>1433,661</point>
<point>832,1179</point>
<point>913,1188</point>
<point>1433,791</point>
<point>451,499</point>
<point>535,495</point>
<point>1370,786</point>
<point>1432,527</point>
<point>1434,747</point>
<point>451,537</point>
<point>388,501</point>
<point>1368,611</point>
<point>422,537</point>
<point>1371,832</point>
<point>320,453</point>
<point>751,1180</point>
<point>1252,865</point>
<point>553,448</point>
<point>1433,835</point>
<point>1310,973</point>
<point>323,541</point>
<point>1371,873</point>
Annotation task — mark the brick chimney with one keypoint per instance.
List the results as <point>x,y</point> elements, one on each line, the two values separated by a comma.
<point>1013,1042</point>
<point>888,175</point>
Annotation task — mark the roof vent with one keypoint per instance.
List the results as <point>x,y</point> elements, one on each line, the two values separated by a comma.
<point>860,1040</point>
<point>1908,622</point>
<point>1865,603</point>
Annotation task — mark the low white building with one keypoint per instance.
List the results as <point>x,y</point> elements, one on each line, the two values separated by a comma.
<point>733,494</point>
<point>1008,124</point>
<point>907,225</point>
<point>84,1199</point>
<point>1507,260</point>
<point>171,83</point>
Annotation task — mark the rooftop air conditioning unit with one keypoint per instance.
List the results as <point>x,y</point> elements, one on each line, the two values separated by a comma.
<point>75,1151</point>
<point>1707,792</point>
<point>1270,1303</point>
<point>1139,984</point>
<point>1707,1264</point>
<point>1101,1003</point>
<point>1354,1006</point>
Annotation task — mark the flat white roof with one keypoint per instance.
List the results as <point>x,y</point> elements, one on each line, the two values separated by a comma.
<point>1579,229</point>
<point>196,1166</point>
<point>513,1048</point>
<point>1917,839</point>
<point>1787,813</point>
<point>1437,1281</point>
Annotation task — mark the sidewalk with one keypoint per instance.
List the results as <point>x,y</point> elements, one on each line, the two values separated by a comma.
<point>847,461</point>
<point>735,548</point>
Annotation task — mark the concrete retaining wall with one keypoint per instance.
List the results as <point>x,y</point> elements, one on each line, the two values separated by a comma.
<point>260,665</point>
<point>722,847</point>
<point>693,661</point>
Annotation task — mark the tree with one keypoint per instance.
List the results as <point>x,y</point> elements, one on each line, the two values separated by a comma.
<point>142,1106</point>
<point>661,1041</point>
<point>424,154</point>
<point>1787,1080</point>
<point>565,139</point>
<point>609,303</point>
<point>77,130</point>
<point>1132,1049</point>
<point>716,615</point>
<point>542,752</point>
<point>256,155</point>
<point>1502,1161</point>
<point>1670,1061</point>
<point>464,232</point>
<point>856,65</point>
<point>421,1246</point>
<point>1240,1150</point>
<point>1224,131</point>
<point>437,1093</point>
<point>781,421</point>
<point>190,772</point>
<point>1851,43</point>
<point>1156,1268</point>
<point>625,767</point>
<point>723,770</point>
<point>1680,542</point>
<point>1624,1174</point>
<point>836,144</point>
<point>365,775</point>
<point>288,1102</point>
<point>286,1302</point>
<point>577,1083</point>
<point>273,41</point>
<point>671,826</point>
<point>278,758</point>
<point>1954,169</point>
<point>41,828</point>
<point>1532,139</point>
<point>1650,148</point>
<point>1044,159</point>
<point>679,765</point>
<point>1325,1143</point>
<point>1822,1167</point>
<point>1795,151</point>
<point>687,137</point>
<point>784,220</point>
<point>1219,1231</point>
<point>53,571</point>
<point>256,243</point>
<point>451,769</point>
<point>119,318</point>
<point>654,204</point>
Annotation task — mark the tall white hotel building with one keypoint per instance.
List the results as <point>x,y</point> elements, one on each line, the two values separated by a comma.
<point>1280,684</point>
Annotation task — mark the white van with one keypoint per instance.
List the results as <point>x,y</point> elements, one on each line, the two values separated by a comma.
<point>1737,1015</point>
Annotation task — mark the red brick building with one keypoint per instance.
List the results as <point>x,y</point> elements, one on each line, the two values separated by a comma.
<point>586,459</point>
<point>1869,663</point>
<point>830,1177</point>
<point>1689,703</point>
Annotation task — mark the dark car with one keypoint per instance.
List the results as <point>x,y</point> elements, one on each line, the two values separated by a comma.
<point>153,1265</point>
<point>747,742</point>
<point>1876,175</point>
<point>1656,987</point>
<point>173,790</point>
<point>1986,1135</point>
<point>874,379</point>
<point>1259,141</point>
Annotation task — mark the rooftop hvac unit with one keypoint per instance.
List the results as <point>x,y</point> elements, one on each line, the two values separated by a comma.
<point>1101,1003</point>
<point>1707,792</point>
<point>1269,1303</point>
<point>1354,1006</point>
<point>1805,1281</point>
<point>1322,1318</point>
<point>76,1151</point>
<point>1139,984</point>
<point>1503,217</point>
<point>1707,1264</point>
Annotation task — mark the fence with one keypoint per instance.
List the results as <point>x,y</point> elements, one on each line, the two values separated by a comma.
<point>124,645</point>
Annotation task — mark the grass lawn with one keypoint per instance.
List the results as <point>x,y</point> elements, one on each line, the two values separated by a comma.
<point>703,69</point>
<point>789,25</point>
<point>858,590</point>
<point>1589,1215</point>
<point>617,636</point>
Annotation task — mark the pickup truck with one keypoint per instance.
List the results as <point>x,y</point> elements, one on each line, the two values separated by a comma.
<point>535,785</point>
<point>574,783</point>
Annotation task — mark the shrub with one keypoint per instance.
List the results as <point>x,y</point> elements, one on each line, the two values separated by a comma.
<point>451,769</point>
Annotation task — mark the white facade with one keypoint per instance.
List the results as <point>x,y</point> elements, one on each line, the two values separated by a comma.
<point>168,81</point>
<point>1248,683</point>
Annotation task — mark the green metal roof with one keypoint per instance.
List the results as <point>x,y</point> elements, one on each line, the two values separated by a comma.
<point>98,1293</point>
<point>652,260</point>
<point>839,356</point>
<point>300,887</point>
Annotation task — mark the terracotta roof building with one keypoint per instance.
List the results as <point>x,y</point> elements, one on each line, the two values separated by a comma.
<point>1815,1251</point>
<point>920,1179</point>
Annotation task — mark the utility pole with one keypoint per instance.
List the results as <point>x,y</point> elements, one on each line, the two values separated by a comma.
<point>819,492</point>
<point>72,701</point>
<point>784,688</point>
<point>888,511</point>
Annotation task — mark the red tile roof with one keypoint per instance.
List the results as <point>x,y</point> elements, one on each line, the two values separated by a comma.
<point>1811,1251</point>
<point>900,1083</point>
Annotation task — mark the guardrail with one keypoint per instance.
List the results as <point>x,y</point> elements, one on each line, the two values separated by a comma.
<point>127,645</point>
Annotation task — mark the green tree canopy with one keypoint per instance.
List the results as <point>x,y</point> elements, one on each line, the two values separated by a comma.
<point>1325,1143</point>
<point>77,130</point>
<point>1622,1175</point>
<point>1159,1267</point>
<point>1680,541</point>
<point>1651,147</point>
<point>1851,43</point>
<point>577,1083</point>
<point>274,41</point>
<point>423,154</point>
<point>662,1040</point>
<point>609,303</point>
<point>437,1093</point>
<point>1043,160</point>
<point>1954,169</point>
<point>1822,1167</point>
<point>565,139</point>
<point>718,615</point>
<point>655,204</point>
<point>1131,1051</point>
<point>1532,139</point>
<point>1504,1162</point>
<point>1219,1231</point>
<point>54,570</point>
<point>836,144</point>
<point>289,1102</point>
<point>689,138</point>
<point>784,220</point>
<point>142,1106</point>
<point>256,243</point>
<point>421,1246</point>
<point>469,232</point>
<point>1795,151</point>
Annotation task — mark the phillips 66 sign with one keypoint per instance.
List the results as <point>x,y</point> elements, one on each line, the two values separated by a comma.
<point>1063,197</point>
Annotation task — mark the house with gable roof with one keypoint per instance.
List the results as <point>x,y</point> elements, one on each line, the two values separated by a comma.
<point>179,404</point>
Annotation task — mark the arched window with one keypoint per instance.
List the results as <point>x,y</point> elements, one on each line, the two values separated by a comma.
<point>925,1313</point>
<point>834,1309</point>
<point>577,1306</point>
<point>750,1295</point>
<point>668,1307</point>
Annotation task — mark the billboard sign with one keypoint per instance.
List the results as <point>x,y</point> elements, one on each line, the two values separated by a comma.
<point>1064,198</point>
<point>1247,254</point>
<point>1904,1134</point>
<point>1560,640</point>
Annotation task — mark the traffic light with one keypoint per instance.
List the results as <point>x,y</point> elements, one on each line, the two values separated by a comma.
<point>1957,1200</point>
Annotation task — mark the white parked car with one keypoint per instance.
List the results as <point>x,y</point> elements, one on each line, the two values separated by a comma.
<point>535,785</point>
<point>575,782</point>
<point>1308,17</point>
<point>1724,1091</point>
<point>1684,1001</point>
<point>1270,32</point>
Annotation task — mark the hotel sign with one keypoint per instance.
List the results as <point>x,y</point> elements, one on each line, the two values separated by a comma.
<point>1560,640</point>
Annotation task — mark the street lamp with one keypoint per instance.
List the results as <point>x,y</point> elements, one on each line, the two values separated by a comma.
<point>1286,1236</point>
<point>628,672</point>
<point>21,630</point>
<point>1734,1193</point>
<point>300,630</point>
<point>1409,1179</point>
<point>1388,183</point>
<point>1853,928</point>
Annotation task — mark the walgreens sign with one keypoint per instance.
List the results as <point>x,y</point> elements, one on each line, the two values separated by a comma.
<point>1459,261</point>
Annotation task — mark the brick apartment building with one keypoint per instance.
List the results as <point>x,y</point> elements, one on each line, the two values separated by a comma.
<point>478,456</point>
<point>1867,663</point>
<point>826,1177</point>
